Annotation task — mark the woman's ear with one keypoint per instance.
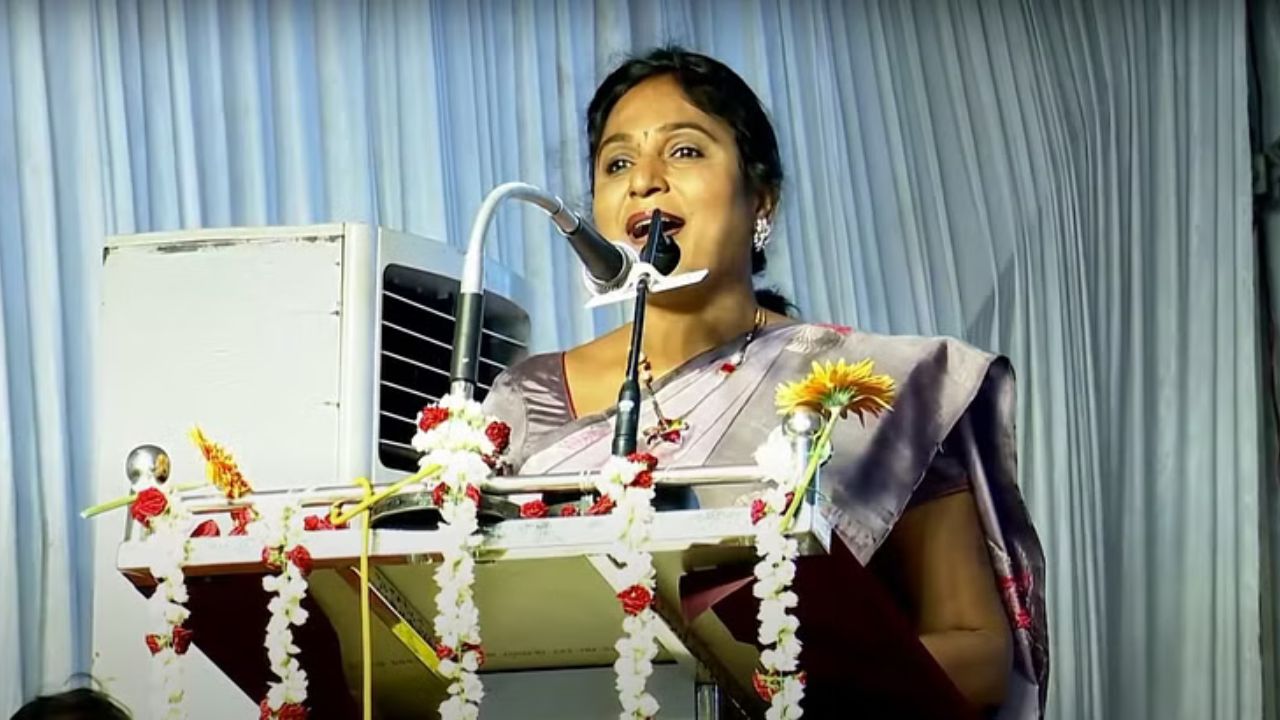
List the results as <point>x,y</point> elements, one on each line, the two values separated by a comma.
<point>766,204</point>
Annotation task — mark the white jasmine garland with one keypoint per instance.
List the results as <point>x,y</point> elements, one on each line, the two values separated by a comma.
<point>459,445</point>
<point>774,574</point>
<point>167,539</point>
<point>638,646</point>
<point>283,534</point>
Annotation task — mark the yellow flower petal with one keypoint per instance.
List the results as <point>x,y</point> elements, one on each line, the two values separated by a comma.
<point>838,387</point>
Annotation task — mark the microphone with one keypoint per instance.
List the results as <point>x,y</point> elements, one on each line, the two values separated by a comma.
<point>606,264</point>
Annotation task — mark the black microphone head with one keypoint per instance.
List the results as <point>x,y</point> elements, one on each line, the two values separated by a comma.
<point>665,255</point>
<point>660,251</point>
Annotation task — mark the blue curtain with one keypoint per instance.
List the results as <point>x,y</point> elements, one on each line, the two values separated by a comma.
<point>1065,182</point>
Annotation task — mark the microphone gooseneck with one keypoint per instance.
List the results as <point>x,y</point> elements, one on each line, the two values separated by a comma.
<point>626,427</point>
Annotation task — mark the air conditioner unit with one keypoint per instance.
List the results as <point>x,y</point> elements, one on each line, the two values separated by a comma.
<point>307,351</point>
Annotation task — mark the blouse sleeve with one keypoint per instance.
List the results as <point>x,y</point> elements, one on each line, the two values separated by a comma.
<point>946,476</point>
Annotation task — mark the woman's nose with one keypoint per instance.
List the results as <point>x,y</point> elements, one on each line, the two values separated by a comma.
<point>648,178</point>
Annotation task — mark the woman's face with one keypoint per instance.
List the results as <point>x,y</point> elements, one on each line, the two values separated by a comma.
<point>660,151</point>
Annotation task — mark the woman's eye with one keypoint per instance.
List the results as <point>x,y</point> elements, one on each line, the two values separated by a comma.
<point>686,151</point>
<point>616,165</point>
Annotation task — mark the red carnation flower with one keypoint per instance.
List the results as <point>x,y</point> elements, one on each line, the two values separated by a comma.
<point>301,557</point>
<point>478,650</point>
<point>291,711</point>
<point>444,652</point>
<point>271,558</point>
<point>644,458</point>
<point>241,516</point>
<point>758,510</point>
<point>155,643</point>
<point>473,493</point>
<point>208,528</point>
<point>635,599</point>
<point>431,416</point>
<point>643,479</point>
<point>149,503</point>
<point>603,506</point>
<point>181,639</point>
<point>534,509</point>
<point>499,433</point>
<point>765,685</point>
<point>569,511</point>
<point>438,493</point>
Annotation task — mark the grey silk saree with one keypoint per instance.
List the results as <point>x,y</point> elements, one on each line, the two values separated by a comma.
<point>951,427</point>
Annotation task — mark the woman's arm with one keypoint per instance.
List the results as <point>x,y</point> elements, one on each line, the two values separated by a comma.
<point>942,560</point>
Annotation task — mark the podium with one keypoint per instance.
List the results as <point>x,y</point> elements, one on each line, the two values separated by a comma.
<point>546,589</point>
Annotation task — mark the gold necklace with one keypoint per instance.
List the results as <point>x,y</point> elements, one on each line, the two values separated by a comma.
<point>673,430</point>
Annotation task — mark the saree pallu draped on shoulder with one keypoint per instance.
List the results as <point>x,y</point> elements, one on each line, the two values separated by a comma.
<point>952,399</point>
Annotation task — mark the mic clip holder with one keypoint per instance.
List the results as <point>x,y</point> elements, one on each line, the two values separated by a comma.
<point>656,283</point>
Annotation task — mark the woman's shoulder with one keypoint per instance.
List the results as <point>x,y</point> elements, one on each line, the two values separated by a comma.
<point>821,341</point>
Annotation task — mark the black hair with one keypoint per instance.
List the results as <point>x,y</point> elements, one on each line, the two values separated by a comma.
<point>717,90</point>
<point>78,704</point>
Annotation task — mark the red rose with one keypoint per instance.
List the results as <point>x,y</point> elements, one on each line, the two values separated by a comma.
<point>644,458</point>
<point>314,523</point>
<point>603,506</point>
<point>499,433</point>
<point>438,493</point>
<point>149,503</point>
<point>271,558</point>
<point>431,416</point>
<point>155,643</point>
<point>635,599</point>
<point>758,510</point>
<point>241,516</point>
<point>181,639</point>
<point>534,509</point>
<point>479,651</point>
<point>301,557</point>
<point>473,494</point>
<point>208,528</point>
<point>765,685</point>
<point>569,511</point>
<point>291,711</point>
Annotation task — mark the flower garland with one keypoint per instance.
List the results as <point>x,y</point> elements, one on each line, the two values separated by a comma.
<point>284,552</point>
<point>456,436</point>
<point>833,391</point>
<point>162,514</point>
<point>626,487</point>
<point>781,684</point>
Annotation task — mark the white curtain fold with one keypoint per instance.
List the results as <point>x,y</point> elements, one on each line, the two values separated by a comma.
<point>1064,182</point>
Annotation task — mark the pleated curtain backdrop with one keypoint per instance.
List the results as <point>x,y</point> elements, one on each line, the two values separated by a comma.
<point>1065,182</point>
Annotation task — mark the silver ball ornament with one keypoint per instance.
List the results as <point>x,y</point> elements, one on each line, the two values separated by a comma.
<point>802,421</point>
<point>147,461</point>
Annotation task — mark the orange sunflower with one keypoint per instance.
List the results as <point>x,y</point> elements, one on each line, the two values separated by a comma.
<point>221,467</point>
<point>839,388</point>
